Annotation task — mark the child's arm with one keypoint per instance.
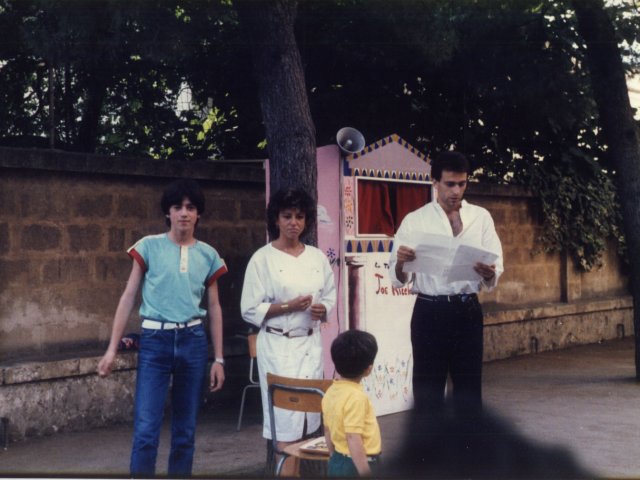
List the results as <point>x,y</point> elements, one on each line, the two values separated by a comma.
<point>358,455</point>
<point>327,438</point>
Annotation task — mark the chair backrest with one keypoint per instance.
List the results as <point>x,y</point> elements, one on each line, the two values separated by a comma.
<point>251,340</point>
<point>298,394</point>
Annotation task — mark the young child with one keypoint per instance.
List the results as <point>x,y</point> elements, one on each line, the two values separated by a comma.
<point>350,425</point>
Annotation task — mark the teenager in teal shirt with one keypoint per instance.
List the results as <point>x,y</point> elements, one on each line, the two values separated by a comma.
<point>176,272</point>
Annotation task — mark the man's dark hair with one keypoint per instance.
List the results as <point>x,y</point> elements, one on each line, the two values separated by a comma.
<point>178,191</point>
<point>290,198</point>
<point>352,352</point>
<point>450,161</point>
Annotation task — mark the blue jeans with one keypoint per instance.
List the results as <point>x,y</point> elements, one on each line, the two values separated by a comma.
<point>181,353</point>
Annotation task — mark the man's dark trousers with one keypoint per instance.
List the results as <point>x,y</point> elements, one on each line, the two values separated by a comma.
<point>447,338</point>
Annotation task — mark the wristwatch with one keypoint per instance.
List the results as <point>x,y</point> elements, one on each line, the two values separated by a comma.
<point>220,361</point>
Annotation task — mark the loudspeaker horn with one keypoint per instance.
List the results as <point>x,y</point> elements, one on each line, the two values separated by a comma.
<point>349,140</point>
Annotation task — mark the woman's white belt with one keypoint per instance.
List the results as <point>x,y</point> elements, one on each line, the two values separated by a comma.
<point>295,332</point>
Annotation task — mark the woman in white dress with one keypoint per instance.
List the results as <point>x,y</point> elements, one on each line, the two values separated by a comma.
<point>288,290</point>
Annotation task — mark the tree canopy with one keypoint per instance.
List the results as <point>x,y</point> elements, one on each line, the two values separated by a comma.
<point>502,80</point>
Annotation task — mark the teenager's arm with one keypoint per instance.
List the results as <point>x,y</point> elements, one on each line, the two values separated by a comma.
<point>215,327</point>
<point>125,305</point>
<point>358,454</point>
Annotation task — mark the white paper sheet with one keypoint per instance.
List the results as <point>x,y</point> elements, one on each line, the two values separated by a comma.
<point>447,256</point>
<point>464,259</point>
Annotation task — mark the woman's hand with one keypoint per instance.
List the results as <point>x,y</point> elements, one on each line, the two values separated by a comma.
<point>298,304</point>
<point>301,303</point>
<point>318,312</point>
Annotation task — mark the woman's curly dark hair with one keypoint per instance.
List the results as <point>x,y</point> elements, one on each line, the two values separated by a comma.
<point>290,198</point>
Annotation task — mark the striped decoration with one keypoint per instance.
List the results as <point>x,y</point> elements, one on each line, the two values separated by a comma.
<point>389,174</point>
<point>386,174</point>
<point>384,141</point>
<point>368,246</point>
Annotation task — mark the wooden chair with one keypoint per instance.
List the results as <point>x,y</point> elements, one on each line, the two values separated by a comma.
<point>253,382</point>
<point>300,395</point>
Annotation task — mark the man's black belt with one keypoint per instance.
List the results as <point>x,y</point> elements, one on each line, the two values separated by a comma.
<point>460,298</point>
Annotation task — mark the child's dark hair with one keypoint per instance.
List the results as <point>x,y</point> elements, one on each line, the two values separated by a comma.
<point>451,161</point>
<point>177,191</point>
<point>352,352</point>
<point>290,198</point>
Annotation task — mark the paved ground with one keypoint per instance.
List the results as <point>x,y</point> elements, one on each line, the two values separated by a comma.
<point>584,398</point>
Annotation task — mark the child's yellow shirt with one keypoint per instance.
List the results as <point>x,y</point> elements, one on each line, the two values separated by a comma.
<point>346,408</point>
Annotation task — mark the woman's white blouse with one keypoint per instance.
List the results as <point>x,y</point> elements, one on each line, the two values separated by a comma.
<point>273,276</point>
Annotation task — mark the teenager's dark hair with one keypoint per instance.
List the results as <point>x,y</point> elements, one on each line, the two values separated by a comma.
<point>450,161</point>
<point>352,352</point>
<point>290,198</point>
<point>177,191</point>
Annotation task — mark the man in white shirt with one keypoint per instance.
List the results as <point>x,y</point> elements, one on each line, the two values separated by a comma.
<point>447,320</point>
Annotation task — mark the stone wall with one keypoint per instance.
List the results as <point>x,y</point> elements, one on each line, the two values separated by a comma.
<point>543,301</point>
<point>66,220</point>
<point>65,224</point>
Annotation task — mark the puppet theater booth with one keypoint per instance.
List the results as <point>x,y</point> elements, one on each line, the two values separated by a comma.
<point>363,195</point>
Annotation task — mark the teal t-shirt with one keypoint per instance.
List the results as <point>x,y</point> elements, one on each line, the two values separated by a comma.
<point>175,278</point>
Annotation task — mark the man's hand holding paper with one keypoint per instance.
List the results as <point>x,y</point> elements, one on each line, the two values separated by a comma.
<point>442,255</point>
<point>471,263</point>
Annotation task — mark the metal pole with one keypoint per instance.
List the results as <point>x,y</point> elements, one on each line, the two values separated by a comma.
<point>52,109</point>
<point>5,432</point>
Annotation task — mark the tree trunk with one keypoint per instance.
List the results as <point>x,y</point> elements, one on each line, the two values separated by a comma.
<point>619,129</point>
<point>278,70</point>
<point>87,139</point>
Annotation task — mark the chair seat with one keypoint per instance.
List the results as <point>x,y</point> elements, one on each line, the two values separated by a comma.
<point>311,465</point>
<point>294,450</point>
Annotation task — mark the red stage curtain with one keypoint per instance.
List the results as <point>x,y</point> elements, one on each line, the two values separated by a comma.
<point>409,197</point>
<point>374,208</point>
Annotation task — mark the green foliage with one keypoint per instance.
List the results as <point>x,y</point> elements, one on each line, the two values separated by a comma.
<point>580,207</point>
<point>118,68</point>
<point>502,80</point>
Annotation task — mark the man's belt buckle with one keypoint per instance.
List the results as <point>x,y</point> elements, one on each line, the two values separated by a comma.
<point>460,298</point>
